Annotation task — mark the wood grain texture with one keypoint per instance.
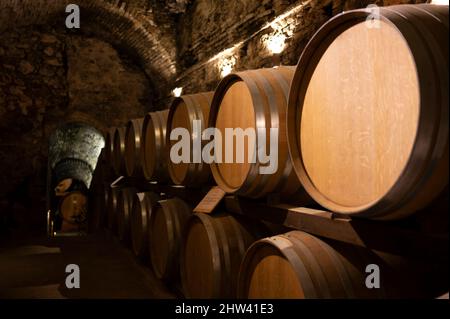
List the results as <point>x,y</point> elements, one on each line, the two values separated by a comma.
<point>299,265</point>
<point>153,155</point>
<point>355,231</point>
<point>360,115</point>
<point>213,248</point>
<point>143,205</point>
<point>109,144</point>
<point>181,119</point>
<point>270,267</point>
<point>236,111</point>
<point>73,207</point>
<point>119,151</point>
<point>255,99</point>
<point>124,206</point>
<point>166,228</point>
<point>183,111</point>
<point>133,145</point>
<point>369,135</point>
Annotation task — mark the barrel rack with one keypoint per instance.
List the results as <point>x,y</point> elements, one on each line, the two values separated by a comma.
<point>398,238</point>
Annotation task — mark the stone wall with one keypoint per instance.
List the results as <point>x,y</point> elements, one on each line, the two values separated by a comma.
<point>143,29</point>
<point>104,84</point>
<point>49,77</point>
<point>211,27</point>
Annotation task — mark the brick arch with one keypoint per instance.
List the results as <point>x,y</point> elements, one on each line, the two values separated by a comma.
<point>81,117</point>
<point>109,22</point>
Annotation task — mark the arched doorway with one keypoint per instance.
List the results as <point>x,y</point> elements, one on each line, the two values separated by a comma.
<point>74,149</point>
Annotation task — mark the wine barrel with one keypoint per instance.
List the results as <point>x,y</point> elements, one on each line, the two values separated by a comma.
<point>109,145</point>
<point>298,265</point>
<point>124,206</point>
<point>96,210</point>
<point>213,249</point>
<point>119,151</point>
<point>133,148</point>
<point>143,205</point>
<point>73,209</point>
<point>254,99</point>
<point>96,199</point>
<point>153,156</point>
<point>183,111</point>
<point>112,209</point>
<point>368,136</point>
<point>167,223</point>
<point>105,205</point>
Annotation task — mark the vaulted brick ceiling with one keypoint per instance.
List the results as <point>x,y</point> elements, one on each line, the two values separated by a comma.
<point>142,28</point>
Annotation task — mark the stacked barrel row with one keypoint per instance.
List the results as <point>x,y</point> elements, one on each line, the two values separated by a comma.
<point>224,256</point>
<point>362,130</point>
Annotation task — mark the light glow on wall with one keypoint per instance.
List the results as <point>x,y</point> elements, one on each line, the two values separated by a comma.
<point>283,28</point>
<point>226,65</point>
<point>275,43</point>
<point>177,91</point>
<point>440,2</point>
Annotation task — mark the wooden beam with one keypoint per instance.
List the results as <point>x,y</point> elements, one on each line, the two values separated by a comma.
<point>370,234</point>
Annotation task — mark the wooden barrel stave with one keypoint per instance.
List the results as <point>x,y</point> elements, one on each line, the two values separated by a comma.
<point>119,151</point>
<point>143,205</point>
<point>166,226</point>
<point>425,172</point>
<point>153,155</point>
<point>191,107</point>
<point>133,148</point>
<point>267,93</point>
<point>299,265</point>
<point>124,206</point>
<point>213,248</point>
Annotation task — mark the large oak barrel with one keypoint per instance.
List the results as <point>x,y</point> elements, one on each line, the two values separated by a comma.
<point>254,100</point>
<point>73,210</point>
<point>299,265</point>
<point>124,206</point>
<point>167,223</point>
<point>183,111</point>
<point>133,148</point>
<point>153,157</point>
<point>142,209</point>
<point>213,249</point>
<point>119,151</point>
<point>368,135</point>
<point>112,209</point>
<point>109,145</point>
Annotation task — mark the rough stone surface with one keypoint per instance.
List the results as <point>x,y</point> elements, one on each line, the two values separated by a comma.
<point>49,77</point>
<point>75,142</point>
<point>100,79</point>
<point>143,29</point>
<point>210,27</point>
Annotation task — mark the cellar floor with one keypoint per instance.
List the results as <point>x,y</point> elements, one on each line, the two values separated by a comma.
<point>34,267</point>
